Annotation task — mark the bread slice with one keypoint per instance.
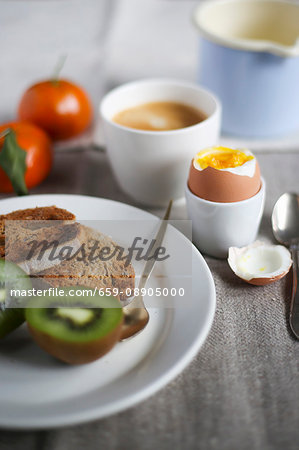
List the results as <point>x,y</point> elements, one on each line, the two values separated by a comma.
<point>48,227</point>
<point>97,273</point>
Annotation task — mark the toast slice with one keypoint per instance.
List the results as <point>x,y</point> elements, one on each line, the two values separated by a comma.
<point>48,227</point>
<point>94,273</point>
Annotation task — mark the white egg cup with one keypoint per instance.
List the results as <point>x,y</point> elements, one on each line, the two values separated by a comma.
<point>152,166</point>
<point>218,226</point>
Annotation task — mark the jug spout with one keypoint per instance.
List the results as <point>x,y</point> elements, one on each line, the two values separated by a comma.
<point>286,51</point>
<point>251,25</point>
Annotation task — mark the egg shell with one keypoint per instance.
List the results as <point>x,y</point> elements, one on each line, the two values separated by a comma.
<point>264,281</point>
<point>223,186</point>
<point>278,272</point>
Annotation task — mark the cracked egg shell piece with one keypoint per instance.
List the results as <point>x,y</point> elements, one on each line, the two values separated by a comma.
<point>260,263</point>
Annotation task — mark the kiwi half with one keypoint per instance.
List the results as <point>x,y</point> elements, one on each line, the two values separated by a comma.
<point>75,329</point>
<point>11,277</point>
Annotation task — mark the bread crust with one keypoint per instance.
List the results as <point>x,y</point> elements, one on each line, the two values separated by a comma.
<point>39,213</point>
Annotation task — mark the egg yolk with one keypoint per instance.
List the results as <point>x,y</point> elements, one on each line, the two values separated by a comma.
<point>221,158</point>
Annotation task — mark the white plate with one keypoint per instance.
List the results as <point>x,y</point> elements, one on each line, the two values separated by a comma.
<point>40,392</point>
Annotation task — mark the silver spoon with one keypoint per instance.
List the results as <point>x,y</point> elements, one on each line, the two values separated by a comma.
<point>285,225</point>
<point>136,315</point>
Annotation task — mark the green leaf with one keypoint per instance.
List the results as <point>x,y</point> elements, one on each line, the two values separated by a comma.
<point>13,162</point>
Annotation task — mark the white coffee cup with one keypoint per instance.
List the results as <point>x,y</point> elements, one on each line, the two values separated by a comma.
<point>218,226</point>
<point>152,166</point>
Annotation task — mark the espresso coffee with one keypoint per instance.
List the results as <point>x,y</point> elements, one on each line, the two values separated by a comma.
<point>159,116</point>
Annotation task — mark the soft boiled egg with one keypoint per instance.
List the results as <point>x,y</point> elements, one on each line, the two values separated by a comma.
<point>221,174</point>
<point>260,263</point>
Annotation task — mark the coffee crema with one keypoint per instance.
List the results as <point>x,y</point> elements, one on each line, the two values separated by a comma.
<point>159,116</point>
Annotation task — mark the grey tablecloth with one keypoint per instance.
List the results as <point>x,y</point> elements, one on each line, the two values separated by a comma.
<point>242,389</point>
